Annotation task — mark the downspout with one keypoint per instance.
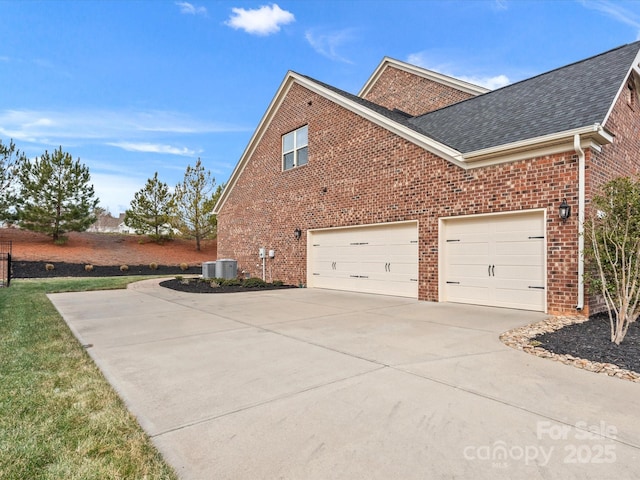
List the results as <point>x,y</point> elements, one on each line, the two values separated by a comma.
<point>581,208</point>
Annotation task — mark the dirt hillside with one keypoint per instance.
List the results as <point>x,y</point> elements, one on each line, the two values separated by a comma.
<point>105,249</point>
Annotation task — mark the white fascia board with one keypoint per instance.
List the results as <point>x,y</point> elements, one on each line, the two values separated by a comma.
<point>632,69</point>
<point>255,139</point>
<point>452,82</point>
<point>591,136</point>
<point>428,144</point>
<point>409,134</point>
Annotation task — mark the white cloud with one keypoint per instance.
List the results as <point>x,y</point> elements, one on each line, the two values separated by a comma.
<point>190,9</point>
<point>261,21</point>
<point>500,5</point>
<point>327,44</point>
<point>154,148</point>
<point>491,82</point>
<point>617,12</point>
<point>54,127</point>
<point>4,58</point>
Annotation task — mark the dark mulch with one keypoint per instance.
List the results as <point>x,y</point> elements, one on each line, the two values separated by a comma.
<point>61,269</point>
<point>196,286</point>
<point>591,340</point>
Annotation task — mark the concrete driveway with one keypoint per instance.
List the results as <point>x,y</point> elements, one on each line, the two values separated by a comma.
<point>317,384</point>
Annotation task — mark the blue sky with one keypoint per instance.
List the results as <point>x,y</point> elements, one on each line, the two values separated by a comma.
<point>132,87</point>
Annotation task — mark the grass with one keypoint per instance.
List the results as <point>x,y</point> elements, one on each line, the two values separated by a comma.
<point>59,417</point>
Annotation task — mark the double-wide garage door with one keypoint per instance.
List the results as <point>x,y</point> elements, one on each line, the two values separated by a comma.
<point>372,259</point>
<point>496,260</point>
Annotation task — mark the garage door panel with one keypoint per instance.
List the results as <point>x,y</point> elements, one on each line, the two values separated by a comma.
<point>513,298</point>
<point>519,260</point>
<point>530,274</point>
<point>374,259</point>
<point>496,260</point>
<point>519,248</point>
<point>471,259</point>
<point>477,294</point>
<point>468,248</point>
<point>461,273</point>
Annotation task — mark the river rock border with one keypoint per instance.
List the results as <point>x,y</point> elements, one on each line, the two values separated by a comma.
<point>521,339</point>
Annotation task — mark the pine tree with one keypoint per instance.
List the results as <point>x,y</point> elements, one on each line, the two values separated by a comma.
<point>10,159</point>
<point>152,210</point>
<point>55,195</point>
<point>195,198</point>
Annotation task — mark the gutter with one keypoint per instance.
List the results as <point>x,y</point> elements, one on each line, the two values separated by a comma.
<point>581,208</point>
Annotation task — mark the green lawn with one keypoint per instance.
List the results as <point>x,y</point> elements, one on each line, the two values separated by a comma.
<point>59,417</point>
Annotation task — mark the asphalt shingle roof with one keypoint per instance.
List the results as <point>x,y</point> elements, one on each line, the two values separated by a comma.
<point>573,96</point>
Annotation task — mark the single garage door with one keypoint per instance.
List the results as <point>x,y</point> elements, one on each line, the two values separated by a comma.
<point>374,259</point>
<point>496,260</point>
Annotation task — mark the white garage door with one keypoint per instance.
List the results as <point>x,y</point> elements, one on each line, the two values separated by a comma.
<point>375,259</point>
<point>495,260</point>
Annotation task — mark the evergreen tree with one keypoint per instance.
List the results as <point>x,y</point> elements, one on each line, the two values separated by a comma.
<point>55,195</point>
<point>152,210</point>
<point>195,198</point>
<point>10,159</point>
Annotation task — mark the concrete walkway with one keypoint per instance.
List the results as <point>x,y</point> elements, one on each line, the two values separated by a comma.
<point>316,384</point>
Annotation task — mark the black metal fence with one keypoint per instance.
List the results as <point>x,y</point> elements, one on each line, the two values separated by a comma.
<point>5,263</point>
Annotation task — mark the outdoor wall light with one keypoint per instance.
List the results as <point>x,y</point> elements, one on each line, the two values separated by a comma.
<point>297,233</point>
<point>564,211</point>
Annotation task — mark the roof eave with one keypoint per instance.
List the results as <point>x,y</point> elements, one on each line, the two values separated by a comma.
<point>633,69</point>
<point>407,133</point>
<point>253,142</point>
<point>591,135</point>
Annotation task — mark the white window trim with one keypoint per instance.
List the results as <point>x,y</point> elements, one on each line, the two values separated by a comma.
<point>296,148</point>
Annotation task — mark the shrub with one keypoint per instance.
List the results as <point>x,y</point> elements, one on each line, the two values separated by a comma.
<point>184,266</point>
<point>254,282</point>
<point>124,268</point>
<point>278,283</point>
<point>49,267</point>
<point>153,266</point>
<point>88,268</point>
<point>178,277</point>
<point>231,282</point>
<point>613,249</point>
<point>214,284</point>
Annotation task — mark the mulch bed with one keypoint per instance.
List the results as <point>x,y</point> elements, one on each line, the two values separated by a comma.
<point>590,340</point>
<point>62,269</point>
<point>195,286</point>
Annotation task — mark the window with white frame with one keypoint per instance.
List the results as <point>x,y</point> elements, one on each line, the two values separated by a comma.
<point>294,148</point>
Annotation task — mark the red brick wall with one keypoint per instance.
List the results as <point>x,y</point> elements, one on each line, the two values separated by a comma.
<point>373,176</point>
<point>621,158</point>
<point>412,94</point>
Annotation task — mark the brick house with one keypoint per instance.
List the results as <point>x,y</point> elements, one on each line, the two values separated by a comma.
<point>429,187</point>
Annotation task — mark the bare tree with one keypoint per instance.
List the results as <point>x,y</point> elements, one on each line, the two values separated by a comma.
<point>613,232</point>
<point>195,198</point>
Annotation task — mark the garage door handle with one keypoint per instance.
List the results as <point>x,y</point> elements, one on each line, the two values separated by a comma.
<point>493,270</point>
<point>539,288</point>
